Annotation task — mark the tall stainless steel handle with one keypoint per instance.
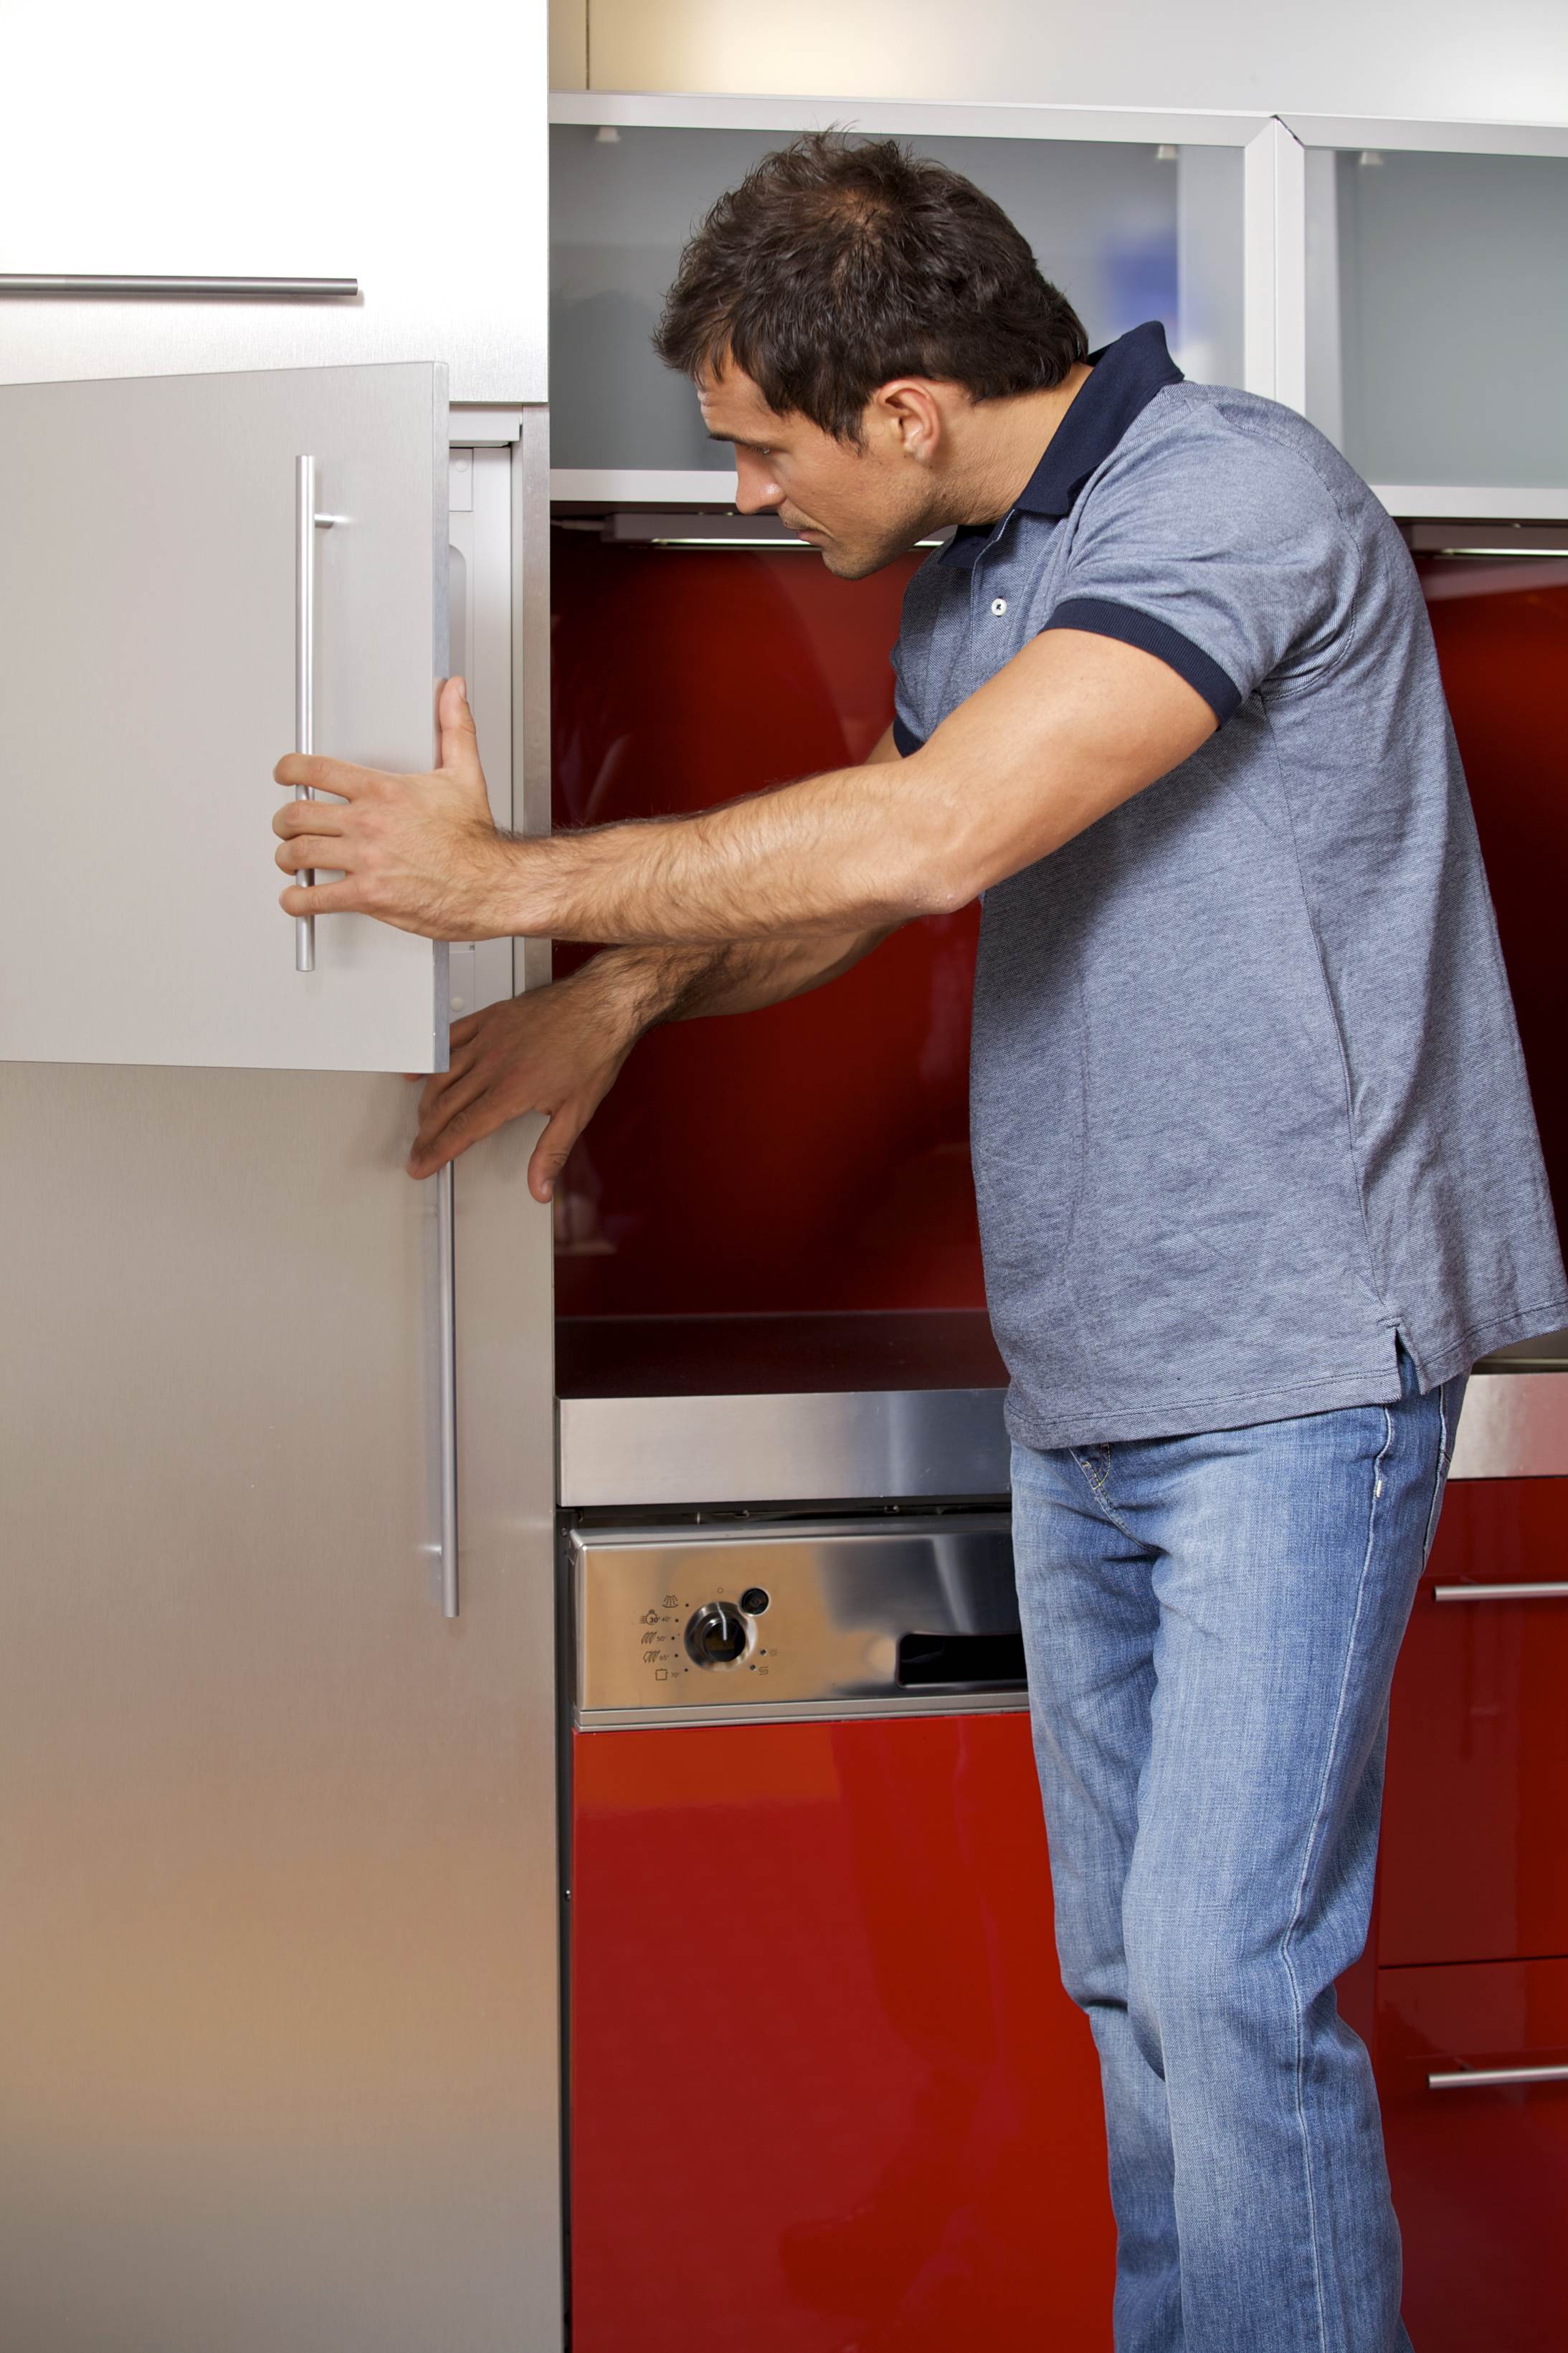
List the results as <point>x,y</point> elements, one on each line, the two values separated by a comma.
<point>240,290</point>
<point>447,1237</point>
<point>304,671</point>
<point>1520,1592</point>
<point>1477,2079</point>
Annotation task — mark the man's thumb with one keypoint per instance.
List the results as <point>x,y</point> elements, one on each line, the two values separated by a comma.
<point>459,742</point>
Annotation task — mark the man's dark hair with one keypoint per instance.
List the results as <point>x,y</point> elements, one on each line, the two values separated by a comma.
<point>839,264</point>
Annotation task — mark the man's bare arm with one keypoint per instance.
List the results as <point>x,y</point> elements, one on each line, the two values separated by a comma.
<point>559,1050</point>
<point>1073,725</point>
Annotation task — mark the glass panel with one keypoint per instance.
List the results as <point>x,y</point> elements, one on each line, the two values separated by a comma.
<point>1501,623</point>
<point>1437,315</point>
<point>811,1159</point>
<point>1127,232</point>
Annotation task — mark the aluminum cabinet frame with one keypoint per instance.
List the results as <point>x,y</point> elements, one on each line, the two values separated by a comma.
<point>1255,135</point>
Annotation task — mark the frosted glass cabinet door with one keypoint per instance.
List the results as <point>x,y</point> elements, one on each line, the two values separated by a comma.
<point>1128,230</point>
<point>148,621</point>
<point>1438,318</point>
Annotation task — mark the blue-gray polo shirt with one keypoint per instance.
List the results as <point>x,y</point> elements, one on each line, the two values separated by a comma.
<point>1247,1101</point>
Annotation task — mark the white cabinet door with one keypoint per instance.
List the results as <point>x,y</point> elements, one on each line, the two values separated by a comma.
<point>313,139</point>
<point>148,622</point>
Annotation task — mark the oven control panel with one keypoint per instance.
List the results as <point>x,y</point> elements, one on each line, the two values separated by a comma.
<point>831,1619</point>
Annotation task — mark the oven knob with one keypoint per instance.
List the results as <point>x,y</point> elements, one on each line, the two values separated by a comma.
<point>717,1635</point>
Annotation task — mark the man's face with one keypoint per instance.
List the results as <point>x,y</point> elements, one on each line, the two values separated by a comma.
<point>860,506</point>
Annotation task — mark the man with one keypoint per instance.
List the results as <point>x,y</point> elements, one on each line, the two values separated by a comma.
<point>1258,1174</point>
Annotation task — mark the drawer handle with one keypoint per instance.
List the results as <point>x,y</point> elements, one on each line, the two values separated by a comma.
<point>198,289</point>
<point>1479,2079</point>
<point>1499,1593</point>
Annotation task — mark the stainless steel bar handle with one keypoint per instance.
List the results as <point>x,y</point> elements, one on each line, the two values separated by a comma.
<point>304,671</point>
<point>1520,1592</point>
<point>446,1240</point>
<point>232,290</point>
<point>1477,2079</point>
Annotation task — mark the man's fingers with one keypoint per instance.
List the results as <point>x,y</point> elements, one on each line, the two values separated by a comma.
<point>324,776</point>
<point>553,1150</point>
<point>309,849</point>
<point>325,898</point>
<point>308,816</point>
<point>480,1118</point>
<point>464,1032</point>
<point>459,740</point>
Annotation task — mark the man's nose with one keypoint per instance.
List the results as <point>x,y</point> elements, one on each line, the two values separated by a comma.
<point>755,489</point>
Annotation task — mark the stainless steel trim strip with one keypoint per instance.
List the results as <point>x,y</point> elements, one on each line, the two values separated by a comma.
<point>800,1448</point>
<point>1520,1592</point>
<point>824,1446</point>
<point>1514,1425</point>
<point>92,287</point>
<point>446,1245</point>
<point>805,1711</point>
<point>1478,2079</point>
<point>304,672</point>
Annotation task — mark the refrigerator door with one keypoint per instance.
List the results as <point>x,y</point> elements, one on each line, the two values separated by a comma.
<point>150,612</point>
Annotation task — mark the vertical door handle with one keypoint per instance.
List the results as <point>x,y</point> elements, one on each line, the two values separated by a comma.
<point>446,1240</point>
<point>307,523</point>
<point>304,671</point>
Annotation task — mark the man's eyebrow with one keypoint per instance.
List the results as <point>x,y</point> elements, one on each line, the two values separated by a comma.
<point>735,441</point>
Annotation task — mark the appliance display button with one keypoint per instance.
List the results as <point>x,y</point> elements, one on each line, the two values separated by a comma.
<point>754,1602</point>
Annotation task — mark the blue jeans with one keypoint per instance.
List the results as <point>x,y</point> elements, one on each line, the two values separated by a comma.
<point>1211,1625</point>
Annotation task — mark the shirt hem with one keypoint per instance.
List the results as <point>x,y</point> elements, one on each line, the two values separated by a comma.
<point>1195,1417</point>
<point>1460,1352</point>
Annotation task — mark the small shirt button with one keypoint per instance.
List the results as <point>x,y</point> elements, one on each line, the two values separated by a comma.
<point>998,605</point>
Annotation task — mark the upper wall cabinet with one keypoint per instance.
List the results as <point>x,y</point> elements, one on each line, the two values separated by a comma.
<point>310,140</point>
<point>1129,227</point>
<point>1437,313</point>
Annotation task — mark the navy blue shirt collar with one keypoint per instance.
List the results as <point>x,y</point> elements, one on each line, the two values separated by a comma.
<point>1126,376</point>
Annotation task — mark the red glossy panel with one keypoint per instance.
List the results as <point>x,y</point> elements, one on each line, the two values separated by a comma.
<point>827,2091</point>
<point>1480,2178</point>
<point>1504,658</point>
<point>1478,1759</point>
<point>813,1156</point>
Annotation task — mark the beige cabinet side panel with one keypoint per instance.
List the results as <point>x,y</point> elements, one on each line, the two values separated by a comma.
<point>278,1951</point>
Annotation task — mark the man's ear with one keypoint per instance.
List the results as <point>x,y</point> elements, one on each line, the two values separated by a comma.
<point>906,415</point>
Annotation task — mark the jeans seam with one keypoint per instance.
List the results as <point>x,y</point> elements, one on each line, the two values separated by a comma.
<point>1097,1489</point>
<point>1295,1922</point>
<point>1441,1481</point>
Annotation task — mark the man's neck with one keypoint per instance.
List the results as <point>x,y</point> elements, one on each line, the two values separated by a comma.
<point>1003,442</point>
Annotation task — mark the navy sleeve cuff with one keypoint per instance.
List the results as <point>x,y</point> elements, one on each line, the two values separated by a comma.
<point>1102,618</point>
<point>905,738</point>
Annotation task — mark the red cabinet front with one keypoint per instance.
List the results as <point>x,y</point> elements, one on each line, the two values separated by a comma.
<point>1480,2175</point>
<point>826,2089</point>
<point>1478,1760</point>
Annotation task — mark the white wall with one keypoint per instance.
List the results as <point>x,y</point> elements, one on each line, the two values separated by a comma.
<point>1505,61</point>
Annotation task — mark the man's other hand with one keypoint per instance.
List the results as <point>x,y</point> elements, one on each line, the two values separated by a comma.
<point>421,852</point>
<point>556,1051</point>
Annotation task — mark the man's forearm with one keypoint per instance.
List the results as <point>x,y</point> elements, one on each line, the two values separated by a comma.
<point>650,985</point>
<point>830,856</point>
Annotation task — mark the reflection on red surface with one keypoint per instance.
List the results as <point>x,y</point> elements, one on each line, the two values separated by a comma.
<point>816,1155</point>
<point>827,2092</point>
<point>1478,1757</point>
<point>1480,2176</point>
<point>1504,656</point>
<point>815,1158</point>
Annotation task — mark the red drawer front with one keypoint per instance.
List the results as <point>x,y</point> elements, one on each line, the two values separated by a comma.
<point>825,2082</point>
<point>1477,1764</point>
<point>1480,2175</point>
